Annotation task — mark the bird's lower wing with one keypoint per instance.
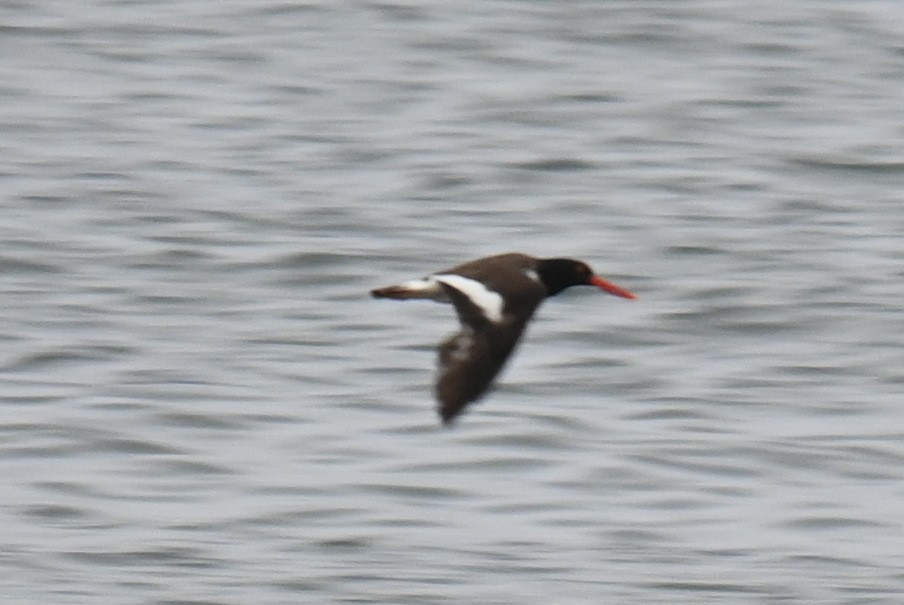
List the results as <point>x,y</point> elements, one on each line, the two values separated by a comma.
<point>471,359</point>
<point>468,363</point>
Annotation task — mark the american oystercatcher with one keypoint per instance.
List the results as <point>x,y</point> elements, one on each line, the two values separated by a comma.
<point>494,298</point>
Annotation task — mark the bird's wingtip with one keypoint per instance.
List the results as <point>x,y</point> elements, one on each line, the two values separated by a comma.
<point>447,419</point>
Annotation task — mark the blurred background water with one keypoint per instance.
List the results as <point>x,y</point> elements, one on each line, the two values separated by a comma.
<point>201,405</point>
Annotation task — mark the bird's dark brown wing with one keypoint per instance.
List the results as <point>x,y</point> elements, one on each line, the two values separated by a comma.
<point>471,358</point>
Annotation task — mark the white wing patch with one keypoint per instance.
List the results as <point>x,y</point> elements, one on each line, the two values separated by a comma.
<point>531,274</point>
<point>489,302</point>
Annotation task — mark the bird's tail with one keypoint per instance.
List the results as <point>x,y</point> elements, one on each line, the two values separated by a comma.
<point>397,292</point>
<point>419,288</point>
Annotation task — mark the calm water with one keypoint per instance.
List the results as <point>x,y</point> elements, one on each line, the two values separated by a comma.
<point>201,405</point>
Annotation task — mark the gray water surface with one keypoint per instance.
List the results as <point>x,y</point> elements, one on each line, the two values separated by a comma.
<point>201,404</point>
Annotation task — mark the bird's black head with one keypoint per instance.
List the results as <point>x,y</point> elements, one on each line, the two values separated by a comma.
<point>558,274</point>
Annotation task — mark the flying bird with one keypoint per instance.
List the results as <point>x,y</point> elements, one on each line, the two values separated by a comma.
<point>494,298</point>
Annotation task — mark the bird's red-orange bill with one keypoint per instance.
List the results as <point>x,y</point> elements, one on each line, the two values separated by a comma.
<point>611,288</point>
